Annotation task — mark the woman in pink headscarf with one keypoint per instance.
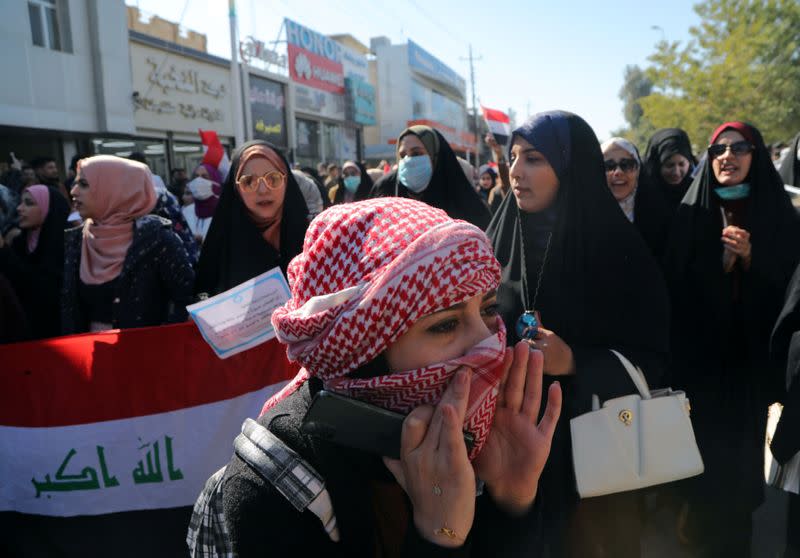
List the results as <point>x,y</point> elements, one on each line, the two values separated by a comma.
<point>393,305</point>
<point>32,257</point>
<point>123,268</point>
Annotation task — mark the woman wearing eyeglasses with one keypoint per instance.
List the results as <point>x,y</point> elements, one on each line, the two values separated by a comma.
<point>123,267</point>
<point>732,250</point>
<point>642,204</point>
<point>259,223</point>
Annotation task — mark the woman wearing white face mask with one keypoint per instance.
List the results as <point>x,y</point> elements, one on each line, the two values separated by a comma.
<point>355,184</point>
<point>428,171</point>
<point>198,214</point>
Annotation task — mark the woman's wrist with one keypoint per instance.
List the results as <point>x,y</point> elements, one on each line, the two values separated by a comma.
<point>433,530</point>
<point>510,501</point>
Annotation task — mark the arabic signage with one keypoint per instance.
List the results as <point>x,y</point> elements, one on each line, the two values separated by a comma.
<point>180,94</point>
<point>268,110</point>
<point>423,62</point>
<point>251,49</point>
<point>147,462</point>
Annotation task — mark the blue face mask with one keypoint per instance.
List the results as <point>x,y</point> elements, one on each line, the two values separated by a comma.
<point>415,172</point>
<point>352,183</point>
<point>738,192</point>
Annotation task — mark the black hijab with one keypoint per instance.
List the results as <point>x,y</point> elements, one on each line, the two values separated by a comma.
<point>39,283</point>
<point>662,145</point>
<point>785,351</point>
<point>790,166</point>
<point>449,189</point>
<point>600,285</point>
<point>702,293</point>
<point>364,188</point>
<point>600,289</point>
<point>234,249</point>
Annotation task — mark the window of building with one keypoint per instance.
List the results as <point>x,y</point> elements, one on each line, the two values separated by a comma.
<point>332,138</point>
<point>50,24</point>
<point>307,142</point>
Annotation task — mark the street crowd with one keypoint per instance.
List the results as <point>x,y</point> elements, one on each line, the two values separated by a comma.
<point>469,299</point>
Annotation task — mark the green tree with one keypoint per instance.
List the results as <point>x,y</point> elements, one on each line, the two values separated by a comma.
<point>742,63</point>
<point>635,86</point>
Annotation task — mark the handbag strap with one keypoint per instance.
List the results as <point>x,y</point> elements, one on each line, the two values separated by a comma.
<point>635,373</point>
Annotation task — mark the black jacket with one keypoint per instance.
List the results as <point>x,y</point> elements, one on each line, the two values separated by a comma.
<point>154,287</point>
<point>262,522</point>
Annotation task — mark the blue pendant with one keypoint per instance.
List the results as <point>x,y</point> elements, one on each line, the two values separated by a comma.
<point>527,326</point>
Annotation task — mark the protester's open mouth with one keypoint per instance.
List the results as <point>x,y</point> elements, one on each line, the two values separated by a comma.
<point>619,184</point>
<point>728,169</point>
<point>264,203</point>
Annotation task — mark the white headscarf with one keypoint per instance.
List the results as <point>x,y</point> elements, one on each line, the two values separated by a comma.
<point>628,203</point>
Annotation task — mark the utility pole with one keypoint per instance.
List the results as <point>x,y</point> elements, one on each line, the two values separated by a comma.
<point>474,104</point>
<point>236,74</point>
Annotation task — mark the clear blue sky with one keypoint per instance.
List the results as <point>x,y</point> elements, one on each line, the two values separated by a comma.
<point>538,54</point>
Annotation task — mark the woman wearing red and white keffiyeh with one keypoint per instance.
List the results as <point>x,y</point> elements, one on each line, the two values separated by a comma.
<point>393,304</point>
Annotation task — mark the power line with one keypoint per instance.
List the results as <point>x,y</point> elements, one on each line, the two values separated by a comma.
<point>441,27</point>
<point>474,105</point>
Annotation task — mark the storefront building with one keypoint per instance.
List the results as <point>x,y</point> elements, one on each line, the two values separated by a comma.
<point>331,96</point>
<point>415,87</point>
<point>176,91</point>
<point>66,79</point>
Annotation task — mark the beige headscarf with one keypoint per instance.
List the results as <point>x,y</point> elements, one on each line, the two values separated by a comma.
<point>270,230</point>
<point>122,191</point>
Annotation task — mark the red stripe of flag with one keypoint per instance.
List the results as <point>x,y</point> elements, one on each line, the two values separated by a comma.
<point>214,151</point>
<point>496,115</point>
<point>121,374</point>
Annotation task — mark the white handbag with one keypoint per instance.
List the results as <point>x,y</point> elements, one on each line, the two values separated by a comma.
<point>634,441</point>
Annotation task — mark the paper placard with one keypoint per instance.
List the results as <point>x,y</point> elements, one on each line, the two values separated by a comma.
<point>239,318</point>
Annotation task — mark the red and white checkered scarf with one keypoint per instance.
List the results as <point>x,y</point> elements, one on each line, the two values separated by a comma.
<point>369,271</point>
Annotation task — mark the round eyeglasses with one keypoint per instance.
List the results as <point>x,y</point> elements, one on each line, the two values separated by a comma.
<point>272,180</point>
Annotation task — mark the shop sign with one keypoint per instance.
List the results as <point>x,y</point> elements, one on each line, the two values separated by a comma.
<point>267,106</point>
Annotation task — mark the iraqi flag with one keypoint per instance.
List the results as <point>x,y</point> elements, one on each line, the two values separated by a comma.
<point>107,439</point>
<point>213,152</point>
<point>499,124</point>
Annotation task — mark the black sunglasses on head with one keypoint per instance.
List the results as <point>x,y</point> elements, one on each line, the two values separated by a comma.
<point>738,148</point>
<point>625,165</point>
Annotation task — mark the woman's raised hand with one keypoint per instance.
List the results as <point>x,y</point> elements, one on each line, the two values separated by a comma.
<point>434,469</point>
<point>517,448</point>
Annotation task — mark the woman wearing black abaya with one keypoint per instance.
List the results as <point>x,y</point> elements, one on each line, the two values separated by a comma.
<point>428,171</point>
<point>641,202</point>
<point>731,252</point>
<point>34,261</point>
<point>790,166</point>
<point>353,185</point>
<point>668,163</point>
<point>600,289</point>
<point>785,350</point>
<point>259,223</point>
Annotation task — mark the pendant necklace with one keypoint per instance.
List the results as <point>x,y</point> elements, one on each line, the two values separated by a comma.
<point>527,324</point>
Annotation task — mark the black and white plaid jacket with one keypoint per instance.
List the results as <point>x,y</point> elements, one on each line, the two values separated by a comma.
<point>289,473</point>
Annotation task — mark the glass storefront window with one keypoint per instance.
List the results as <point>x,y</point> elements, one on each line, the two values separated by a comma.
<point>308,142</point>
<point>186,156</point>
<point>332,136</point>
<point>419,101</point>
<point>155,152</point>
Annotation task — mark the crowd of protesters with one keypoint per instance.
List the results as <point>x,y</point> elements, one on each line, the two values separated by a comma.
<point>683,259</point>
